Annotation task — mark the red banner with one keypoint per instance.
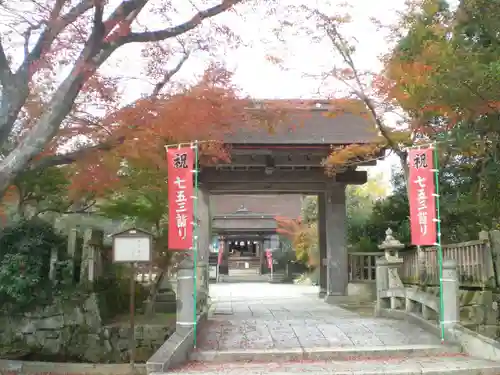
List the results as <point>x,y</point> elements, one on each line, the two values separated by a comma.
<point>221,252</point>
<point>180,198</point>
<point>269,256</point>
<point>422,200</point>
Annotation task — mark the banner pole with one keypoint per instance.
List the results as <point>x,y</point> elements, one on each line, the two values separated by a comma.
<point>195,242</point>
<point>438,241</point>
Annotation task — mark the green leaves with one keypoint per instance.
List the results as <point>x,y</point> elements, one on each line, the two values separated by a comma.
<point>25,252</point>
<point>446,69</point>
<point>143,200</point>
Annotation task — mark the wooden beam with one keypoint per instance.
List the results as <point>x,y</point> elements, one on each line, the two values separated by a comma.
<point>211,176</point>
<point>323,152</point>
<point>352,177</point>
<point>242,234</point>
<point>244,224</point>
<point>288,160</point>
<point>265,188</point>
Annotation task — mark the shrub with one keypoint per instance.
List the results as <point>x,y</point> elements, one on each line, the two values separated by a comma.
<point>25,251</point>
<point>114,295</point>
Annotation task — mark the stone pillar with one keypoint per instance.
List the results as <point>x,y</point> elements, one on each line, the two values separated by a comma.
<point>204,240</point>
<point>262,257</point>
<point>72,239</point>
<point>71,251</point>
<point>382,282</point>
<point>87,269</point>
<point>451,313</point>
<point>494,237</point>
<point>204,224</point>
<point>336,241</point>
<point>53,262</point>
<point>185,287</point>
<point>91,255</point>
<point>322,245</point>
<point>488,261</point>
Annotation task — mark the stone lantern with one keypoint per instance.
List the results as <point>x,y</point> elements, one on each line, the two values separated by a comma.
<point>391,247</point>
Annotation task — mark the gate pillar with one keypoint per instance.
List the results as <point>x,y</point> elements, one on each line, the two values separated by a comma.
<point>322,245</point>
<point>335,224</point>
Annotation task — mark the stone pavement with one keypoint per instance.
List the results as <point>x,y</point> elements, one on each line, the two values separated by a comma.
<point>261,328</point>
<point>264,316</point>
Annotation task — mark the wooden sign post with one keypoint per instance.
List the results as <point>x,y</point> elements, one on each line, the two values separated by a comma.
<point>132,246</point>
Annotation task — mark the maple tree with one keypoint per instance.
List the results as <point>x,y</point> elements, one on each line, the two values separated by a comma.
<point>442,74</point>
<point>185,115</point>
<point>303,237</point>
<point>446,66</point>
<point>62,85</point>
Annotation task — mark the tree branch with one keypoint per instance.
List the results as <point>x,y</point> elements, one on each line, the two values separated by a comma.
<point>27,36</point>
<point>71,157</point>
<point>6,76</point>
<point>124,12</point>
<point>98,33</point>
<point>343,48</point>
<point>81,210</point>
<point>55,26</point>
<point>169,74</point>
<point>170,32</point>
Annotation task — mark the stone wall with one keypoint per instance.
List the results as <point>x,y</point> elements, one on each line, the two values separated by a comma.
<point>74,332</point>
<point>479,310</point>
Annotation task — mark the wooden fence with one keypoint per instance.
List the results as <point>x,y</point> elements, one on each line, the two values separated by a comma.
<point>362,266</point>
<point>478,263</point>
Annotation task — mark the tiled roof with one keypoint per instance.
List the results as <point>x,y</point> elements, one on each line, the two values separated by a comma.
<point>288,205</point>
<point>301,122</point>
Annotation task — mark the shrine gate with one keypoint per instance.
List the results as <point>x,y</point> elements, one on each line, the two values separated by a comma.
<point>289,161</point>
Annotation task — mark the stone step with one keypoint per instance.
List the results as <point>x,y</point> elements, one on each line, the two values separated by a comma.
<point>249,278</point>
<point>244,271</point>
<point>429,365</point>
<point>330,353</point>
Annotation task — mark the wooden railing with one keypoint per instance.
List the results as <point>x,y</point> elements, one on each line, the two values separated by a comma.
<point>362,266</point>
<point>474,260</point>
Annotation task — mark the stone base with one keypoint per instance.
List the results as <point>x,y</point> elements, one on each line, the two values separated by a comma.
<point>336,299</point>
<point>322,294</point>
<point>165,307</point>
<point>175,351</point>
<point>362,291</point>
<point>165,302</point>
